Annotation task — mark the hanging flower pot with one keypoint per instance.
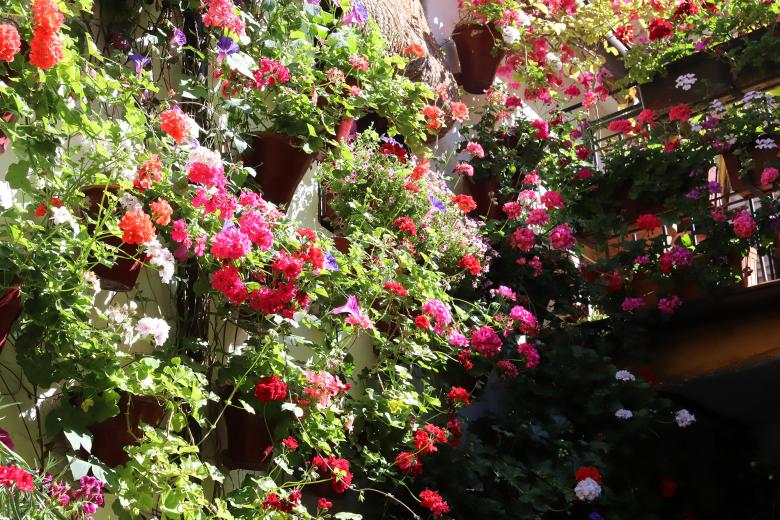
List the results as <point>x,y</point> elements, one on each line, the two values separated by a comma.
<point>110,437</point>
<point>10,309</point>
<point>483,192</point>
<point>478,54</point>
<point>759,159</point>
<point>249,439</point>
<point>713,80</point>
<point>751,76</point>
<point>280,165</point>
<point>124,273</point>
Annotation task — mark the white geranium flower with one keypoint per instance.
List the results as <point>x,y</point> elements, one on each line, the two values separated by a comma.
<point>203,155</point>
<point>587,490</point>
<point>62,215</point>
<point>766,143</point>
<point>93,280</point>
<point>510,34</point>
<point>684,418</point>
<point>130,203</point>
<point>162,258</point>
<point>685,81</point>
<point>624,375</point>
<point>624,414</point>
<point>155,327</point>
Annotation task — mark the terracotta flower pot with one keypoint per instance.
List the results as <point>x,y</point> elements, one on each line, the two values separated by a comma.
<point>481,191</point>
<point>10,309</point>
<point>713,81</point>
<point>110,437</point>
<point>479,57</point>
<point>760,160</point>
<point>249,438</point>
<point>279,163</point>
<point>124,273</point>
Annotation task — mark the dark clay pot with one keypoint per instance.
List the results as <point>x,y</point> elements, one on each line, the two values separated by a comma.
<point>249,439</point>
<point>124,273</point>
<point>280,165</point>
<point>10,309</point>
<point>110,437</point>
<point>478,55</point>
<point>760,158</point>
<point>481,191</point>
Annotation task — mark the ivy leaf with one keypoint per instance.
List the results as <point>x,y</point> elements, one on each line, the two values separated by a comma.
<point>79,439</point>
<point>17,176</point>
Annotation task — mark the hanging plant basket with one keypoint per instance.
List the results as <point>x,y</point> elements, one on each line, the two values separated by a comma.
<point>478,54</point>
<point>249,439</point>
<point>110,437</point>
<point>759,159</point>
<point>10,309</point>
<point>483,192</point>
<point>713,81</point>
<point>124,273</point>
<point>752,76</point>
<point>280,165</point>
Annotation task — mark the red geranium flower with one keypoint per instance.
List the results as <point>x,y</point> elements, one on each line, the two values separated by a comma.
<point>588,472</point>
<point>270,388</point>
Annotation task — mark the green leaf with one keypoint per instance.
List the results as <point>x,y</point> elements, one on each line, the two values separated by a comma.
<point>17,176</point>
<point>79,440</point>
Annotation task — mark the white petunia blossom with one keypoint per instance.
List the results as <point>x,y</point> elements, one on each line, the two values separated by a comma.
<point>510,34</point>
<point>684,418</point>
<point>587,490</point>
<point>92,279</point>
<point>766,143</point>
<point>685,81</point>
<point>130,203</point>
<point>624,375</point>
<point>524,19</point>
<point>62,215</point>
<point>201,154</point>
<point>624,414</point>
<point>154,327</point>
<point>162,258</point>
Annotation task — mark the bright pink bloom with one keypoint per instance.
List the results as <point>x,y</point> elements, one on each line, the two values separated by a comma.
<point>630,304</point>
<point>523,239</point>
<point>530,353</point>
<point>256,227</point>
<point>230,243</point>
<point>561,237</point>
<point>743,224</point>
<point>475,149</point>
<point>485,341</point>
<point>528,323</point>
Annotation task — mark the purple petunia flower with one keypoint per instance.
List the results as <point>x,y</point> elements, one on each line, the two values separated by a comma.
<point>352,307</point>
<point>140,61</point>
<point>226,47</point>
<point>357,14</point>
<point>179,39</point>
<point>330,262</point>
<point>436,205</point>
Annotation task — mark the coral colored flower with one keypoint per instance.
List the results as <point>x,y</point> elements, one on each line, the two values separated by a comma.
<point>270,388</point>
<point>769,176</point>
<point>422,322</point>
<point>631,304</point>
<point>433,501</point>
<point>10,43</point>
<point>161,211</point>
<point>395,287</point>
<point>177,124</point>
<point>464,169</point>
<point>680,112</point>
<point>433,115</point>
<point>223,14</point>
<point>530,353</point>
<point>45,49</point>
<point>561,237</point>
<point>485,341</point>
<point>744,225</point>
<point>227,281</point>
<point>426,438</point>
<point>414,50</point>
<point>475,149</point>
<point>230,243</point>
<point>137,227</point>
<point>647,116</point>
<point>14,476</point>
<point>409,463</point>
<point>465,203</point>
<point>406,224</point>
<point>290,443</point>
<point>460,111</point>
<point>669,305</point>
<point>459,395</point>
<point>659,28</point>
<point>47,16</point>
<point>471,264</point>
<point>323,387</point>
<point>648,222</point>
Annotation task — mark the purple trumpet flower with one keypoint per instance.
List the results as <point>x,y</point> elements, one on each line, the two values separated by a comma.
<point>357,14</point>
<point>179,39</point>
<point>140,62</point>
<point>226,46</point>
<point>352,307</point>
